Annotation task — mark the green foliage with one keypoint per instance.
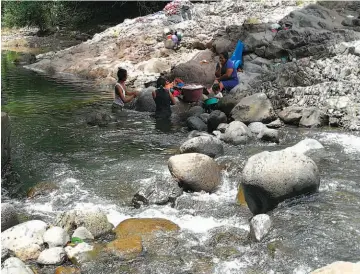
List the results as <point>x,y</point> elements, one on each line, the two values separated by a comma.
<point>252,21</point>
<point>299,2</point>
<point>72,14</point>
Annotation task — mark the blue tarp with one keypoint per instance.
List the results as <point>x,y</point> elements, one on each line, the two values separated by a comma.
<point>237,57</point>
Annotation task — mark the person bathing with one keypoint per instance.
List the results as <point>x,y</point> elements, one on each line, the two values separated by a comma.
<point>122,95</point>
<point>226,75</point>
<point>163,99</point>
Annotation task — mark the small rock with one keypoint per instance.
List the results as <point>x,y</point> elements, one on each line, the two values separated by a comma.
<point>79,253</point>
<point>222,127</point>
<point>56,236</point>
<point>275,124</point>
<point>260,226</point>
<point>15,266</point>
<point>67,270</point>
<point>291,115</point>
<point>215,119</point>
<point>305,146</point>
<point>52,256</point>
<point>83,233</point>
<point>195,123</point>
<point>8,216</point>
<point>313,117</point>
<point>236,133</point>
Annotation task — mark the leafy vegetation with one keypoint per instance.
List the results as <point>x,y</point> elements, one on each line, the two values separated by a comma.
<point>72,14</point>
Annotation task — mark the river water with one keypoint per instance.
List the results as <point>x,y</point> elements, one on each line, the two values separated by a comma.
<point>103,167</point>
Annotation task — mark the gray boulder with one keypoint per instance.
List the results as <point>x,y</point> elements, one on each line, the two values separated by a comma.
<point>195,123</point>
<point>260,226</point>
<point>5,253</point>
<point>195,171</point>
<point>254,108</point>
<point>221,45</point>
<point>94,220</point>
<point>8,216</point>
<point>56,236</point>
<point>291,115</point>
<point>305,146</point>
<point>216,118</point>
<point>194,71</point>
<point>52,256</point>
<point>145,101</point>
<point>15,266</point>
<point>159,192</point>
<point>313,117</point>
<point>222,127</point>
<point>271,177</point>
<point>80,253</point>
<point>236,133</point>
<point>208,145</point>
<point>195,111</point>
<point>204,117</point>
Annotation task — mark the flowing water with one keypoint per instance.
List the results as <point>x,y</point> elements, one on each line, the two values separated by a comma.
<point>102,167</point>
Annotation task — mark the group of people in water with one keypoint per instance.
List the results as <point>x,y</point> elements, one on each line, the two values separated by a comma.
<point>226,79</point>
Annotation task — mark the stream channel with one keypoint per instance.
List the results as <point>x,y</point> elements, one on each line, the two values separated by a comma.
<point>103,167</point>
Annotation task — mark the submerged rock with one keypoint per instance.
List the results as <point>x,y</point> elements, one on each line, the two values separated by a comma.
<point>42,188</point>
<point>271,177</point>
<point>208,145</point>
<point>126,248</point>
<point>195,171</point>
<point>306,146</point>
<point>260,226</point>
<point>159,192</point>
<point>144,227</point>
<point>67,270</point>
<point>98,118</point>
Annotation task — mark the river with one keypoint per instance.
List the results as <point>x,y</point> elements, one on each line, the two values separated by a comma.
<point>103,167</point>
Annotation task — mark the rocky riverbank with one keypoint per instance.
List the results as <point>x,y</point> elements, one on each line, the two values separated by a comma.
<point>321,50</point>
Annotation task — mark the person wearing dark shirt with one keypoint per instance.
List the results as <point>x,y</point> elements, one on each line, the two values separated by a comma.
<point>163,99</point>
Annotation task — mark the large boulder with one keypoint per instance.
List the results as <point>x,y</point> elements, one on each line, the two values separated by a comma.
<point>8,216</point>
<point>313,117</point>
<point>216,118</point>
<point>126,248</point>
<point>271,177</point>
<point>254,108</point>
<point>15,266</point>
<point>208,145</point>
<point>93,220</point>
<point>236,133</point>
<point>195,71</point>
<point>145,101</point>
<point>195,171</point>
<point>339,268</point>
<point>25,239</point>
